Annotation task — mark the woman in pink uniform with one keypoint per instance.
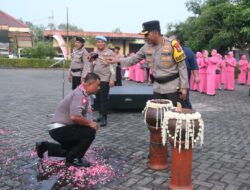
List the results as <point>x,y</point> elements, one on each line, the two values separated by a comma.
<point>230,67</point>
<point>139,72</point>
<point>131,70</point>
<point>243,63</point>
<point>248,74</point>
<point>202,72</point>
<point>218,73</point>
<point>205,60</point>
<point>223,70</point>
<point>211,73</point>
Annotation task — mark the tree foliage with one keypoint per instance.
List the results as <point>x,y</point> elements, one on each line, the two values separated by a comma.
<point>37,31</point>
<point>117,30</point>
<point>220,24</point>
<point>71,27</point>
<point>41,50</point>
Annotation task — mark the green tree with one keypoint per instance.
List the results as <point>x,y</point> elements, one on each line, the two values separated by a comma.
<point>90,40</point>
<point>220,24</point>
<point>71,27</point>
<point>37,31</point>
<point>117,30</point>
<point>51,26</point>
<point>41,50</point>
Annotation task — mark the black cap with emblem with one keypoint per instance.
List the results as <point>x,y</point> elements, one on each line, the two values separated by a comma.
<point>150,26</point>
<point>80,39</point>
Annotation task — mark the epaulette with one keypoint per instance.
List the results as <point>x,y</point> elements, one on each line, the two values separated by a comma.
<point>178,53</point>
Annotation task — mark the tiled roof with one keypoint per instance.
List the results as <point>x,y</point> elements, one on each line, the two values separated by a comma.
<point>6,19</point>
<point>106,34</point>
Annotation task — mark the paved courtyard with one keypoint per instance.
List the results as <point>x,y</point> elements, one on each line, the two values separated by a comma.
<point>29,97</point>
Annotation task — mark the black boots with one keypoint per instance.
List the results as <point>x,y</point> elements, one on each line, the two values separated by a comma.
<point>75,155</point>
<point>103,121</point>
<point>41,148</point>
<point>80,162</point>
<point>52,148</point>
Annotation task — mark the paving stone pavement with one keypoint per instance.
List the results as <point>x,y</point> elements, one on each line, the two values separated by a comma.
<point>28,97</point>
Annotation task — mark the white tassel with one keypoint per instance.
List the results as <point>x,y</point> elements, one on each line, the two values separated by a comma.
<point>180,135</point>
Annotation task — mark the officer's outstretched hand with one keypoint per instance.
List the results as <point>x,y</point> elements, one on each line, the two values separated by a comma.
<point>112,60</point>
<point>183,94</point>
<point>92,56</point>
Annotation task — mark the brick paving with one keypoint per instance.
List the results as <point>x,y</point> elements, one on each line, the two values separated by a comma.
<point>28,97</point>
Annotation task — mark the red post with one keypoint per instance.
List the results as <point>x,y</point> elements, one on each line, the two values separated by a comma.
<point>158,159</point>
<point>181,170</point>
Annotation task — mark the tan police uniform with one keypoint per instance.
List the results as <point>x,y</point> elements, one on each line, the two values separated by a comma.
<point>105,71</point>
<point>79,67</point>
<point>107,74</point>
<point>167,61</point>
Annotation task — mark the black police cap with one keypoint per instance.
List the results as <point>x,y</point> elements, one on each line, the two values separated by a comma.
<point>80,39</point>
<point>150,26</point>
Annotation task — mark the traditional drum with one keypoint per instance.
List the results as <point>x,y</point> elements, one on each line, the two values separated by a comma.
<point>153,117</point>
<point>182,129</point>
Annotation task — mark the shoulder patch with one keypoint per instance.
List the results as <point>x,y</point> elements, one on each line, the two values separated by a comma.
<point>178,53</point>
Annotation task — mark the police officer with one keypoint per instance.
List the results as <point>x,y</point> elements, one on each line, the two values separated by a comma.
<point>167,60</point>
<point>79,63</point>
<point>118,70</point>
<point>192,67</point>
<point>107,74</point>
<point>71,126</point>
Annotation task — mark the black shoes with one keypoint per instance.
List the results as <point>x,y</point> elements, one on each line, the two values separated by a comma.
<point>79,162</point>
<point>41,148</point>
<point>103,122</point>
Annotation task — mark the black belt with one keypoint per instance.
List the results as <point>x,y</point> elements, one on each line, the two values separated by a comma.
<point>162,80</point>
<point>76,70</point>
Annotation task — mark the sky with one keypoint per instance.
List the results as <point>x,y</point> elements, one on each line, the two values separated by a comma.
<point>99,15</point>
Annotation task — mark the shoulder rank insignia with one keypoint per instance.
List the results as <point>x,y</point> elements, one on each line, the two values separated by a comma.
<point>178,53</point>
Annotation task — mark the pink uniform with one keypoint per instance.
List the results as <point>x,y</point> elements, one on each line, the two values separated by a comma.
<point>248,74</point>
<point>230,67</point>
<point>139,72</point>
<point>202,72</point>
<point>131,72</point>
<point>211,72</point>
<point>205,60</point>
<point>223,70</point>
<point>218,73</point>
<point>243,63</point>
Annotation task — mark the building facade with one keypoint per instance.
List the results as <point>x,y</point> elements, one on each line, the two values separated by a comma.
<point>13,34</point>
<point>128,42</point>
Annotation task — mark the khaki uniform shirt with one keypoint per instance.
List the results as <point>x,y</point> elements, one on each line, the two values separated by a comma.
<point>163,65</point>
<point>79,60</point>
<point>75,103</point>
<point>105,71</point>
